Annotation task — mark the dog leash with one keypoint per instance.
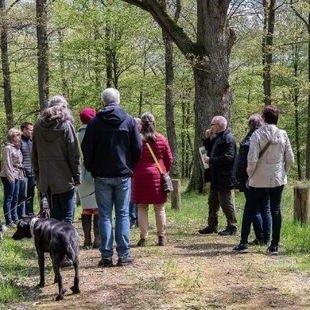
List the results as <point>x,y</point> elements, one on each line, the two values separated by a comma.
<point>18,205</point>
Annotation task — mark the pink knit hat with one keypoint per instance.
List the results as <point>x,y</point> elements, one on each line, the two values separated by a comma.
<point>87,114</point>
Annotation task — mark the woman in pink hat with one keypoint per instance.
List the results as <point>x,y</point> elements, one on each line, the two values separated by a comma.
<point>86,190</point>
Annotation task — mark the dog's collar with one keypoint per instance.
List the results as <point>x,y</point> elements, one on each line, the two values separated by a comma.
<point>32,222</point>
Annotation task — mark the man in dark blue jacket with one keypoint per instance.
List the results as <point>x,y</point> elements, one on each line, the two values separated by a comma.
<point>26,186</point>
<point>220,144</point>
<point>111,147</point>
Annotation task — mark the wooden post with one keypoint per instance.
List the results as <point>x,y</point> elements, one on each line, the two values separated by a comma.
<point>176,194</point>
<point>301,203</point>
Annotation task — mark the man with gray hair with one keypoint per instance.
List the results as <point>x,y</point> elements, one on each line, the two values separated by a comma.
<point>221,149</point>
<point>111,147</point>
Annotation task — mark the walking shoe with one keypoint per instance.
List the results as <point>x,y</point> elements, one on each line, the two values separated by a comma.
<point>241,248</point>
<point>228,232</point>
<point>208,230</point>
<point>125,261</point>
<point>141,242</point>
<point>273,250</point>
<point>161,241</point>
<point>105,262</point>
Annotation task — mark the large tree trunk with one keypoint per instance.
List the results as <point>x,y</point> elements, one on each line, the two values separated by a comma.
<point>5,67</point>
<point>211,71</point>
<point>43,73</point>
<point>210,60</point>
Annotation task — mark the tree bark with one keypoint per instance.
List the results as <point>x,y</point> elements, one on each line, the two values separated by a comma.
<point>6,67</point>
<point>306,21</point>
<point>43,69</point>
<point>267,44</point>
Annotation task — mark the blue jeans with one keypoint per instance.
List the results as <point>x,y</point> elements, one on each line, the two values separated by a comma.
<point>10,199</point>
<point>133,214</point>
<point>26,195</point>
<point>113,191</point>
<point>262,217</point>
<point>62,206</point>
<point>266,199</point>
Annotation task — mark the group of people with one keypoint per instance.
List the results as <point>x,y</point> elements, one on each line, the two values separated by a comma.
<point>114,170</point>
<point>115,152</point>
<point>17,174</point>
<point>260,169</point>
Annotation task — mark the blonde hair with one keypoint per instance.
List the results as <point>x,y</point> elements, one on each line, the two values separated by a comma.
<point>12,133</point>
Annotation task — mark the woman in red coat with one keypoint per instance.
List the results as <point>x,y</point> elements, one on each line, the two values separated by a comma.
<point>147,185</point>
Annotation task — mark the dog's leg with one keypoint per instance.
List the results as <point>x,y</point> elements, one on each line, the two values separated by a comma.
<point>75,288</point>
<point>56,259</point>
<point>41,268</point>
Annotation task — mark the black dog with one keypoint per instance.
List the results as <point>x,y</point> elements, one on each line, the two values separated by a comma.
<point>3,229</point>
<point>60,239</point>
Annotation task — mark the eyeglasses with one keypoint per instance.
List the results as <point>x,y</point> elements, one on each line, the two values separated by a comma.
<point>212,124</point>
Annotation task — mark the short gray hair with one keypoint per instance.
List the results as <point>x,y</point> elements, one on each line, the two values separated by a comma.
<point>255,121</point>
<point>221,120</point>
<point>110,95</point>
<point>58,100</point>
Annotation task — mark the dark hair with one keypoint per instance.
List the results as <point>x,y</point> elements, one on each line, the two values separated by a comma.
<point>25,125</point>
<point>148,126</point>
<point>271,114</point>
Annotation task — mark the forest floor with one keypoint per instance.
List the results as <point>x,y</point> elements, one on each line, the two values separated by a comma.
<point>191,272</point>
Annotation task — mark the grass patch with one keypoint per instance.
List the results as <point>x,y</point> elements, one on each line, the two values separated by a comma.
<point>18,260</point>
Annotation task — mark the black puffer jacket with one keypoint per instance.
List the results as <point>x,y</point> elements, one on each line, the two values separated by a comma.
<point>26,147</point>
<point>222,150</point>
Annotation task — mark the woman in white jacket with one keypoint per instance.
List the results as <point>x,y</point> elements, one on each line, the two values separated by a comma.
<point>269,160</point>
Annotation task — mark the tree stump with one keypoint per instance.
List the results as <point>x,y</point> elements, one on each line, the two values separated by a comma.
<point>301,203</point>
<point>176,194</point>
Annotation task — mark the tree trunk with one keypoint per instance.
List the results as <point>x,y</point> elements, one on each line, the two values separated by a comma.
<point>6,67</point>
<point>43,73</point>
<point>267,43</point>
<point>308,126</point>
<point>209,56</point>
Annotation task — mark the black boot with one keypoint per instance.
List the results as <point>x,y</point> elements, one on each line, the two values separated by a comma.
<point>97,239</point>
<point>86,224</point>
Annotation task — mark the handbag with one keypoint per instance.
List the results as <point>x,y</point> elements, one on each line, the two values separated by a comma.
<point>165,177</point>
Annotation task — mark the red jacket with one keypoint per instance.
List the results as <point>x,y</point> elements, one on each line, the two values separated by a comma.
<point>147,186</point>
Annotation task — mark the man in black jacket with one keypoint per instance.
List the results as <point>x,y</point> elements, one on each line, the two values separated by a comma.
<point>220,144</point>
<point>26,187</point>
<point>111,147</point>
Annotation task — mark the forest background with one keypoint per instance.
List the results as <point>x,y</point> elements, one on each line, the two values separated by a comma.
<point>78,48</point>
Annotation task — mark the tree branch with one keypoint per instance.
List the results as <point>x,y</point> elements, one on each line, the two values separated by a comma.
<point>176,33</point>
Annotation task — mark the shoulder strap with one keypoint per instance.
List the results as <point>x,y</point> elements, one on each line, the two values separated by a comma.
<point>266,146</point>
<point>264,149</point>
<point>155,159</point>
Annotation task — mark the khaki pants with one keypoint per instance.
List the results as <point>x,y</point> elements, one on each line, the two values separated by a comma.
<point>160,217</point>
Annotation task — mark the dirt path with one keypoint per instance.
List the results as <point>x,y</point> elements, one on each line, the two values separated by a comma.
<point>191,272</point>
